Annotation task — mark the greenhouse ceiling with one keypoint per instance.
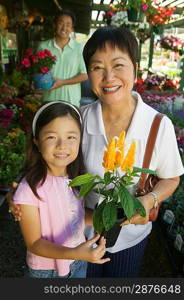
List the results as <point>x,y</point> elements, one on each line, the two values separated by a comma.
<point>99,6</point>
<point>89,13</point>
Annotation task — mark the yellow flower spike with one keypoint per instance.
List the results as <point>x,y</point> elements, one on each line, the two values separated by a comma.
<point>120,149</point>
<point>110,156</point>
<point>118,158</point>
<point>129,159</point>
<point>121,139</point>
<point>104,164</point>
<point>111,160</point>
<point>112,145</point>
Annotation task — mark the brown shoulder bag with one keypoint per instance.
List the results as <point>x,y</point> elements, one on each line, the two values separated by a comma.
<point>148,181</point>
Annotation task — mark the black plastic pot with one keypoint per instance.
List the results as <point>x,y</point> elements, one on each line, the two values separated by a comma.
<point>111,235</point>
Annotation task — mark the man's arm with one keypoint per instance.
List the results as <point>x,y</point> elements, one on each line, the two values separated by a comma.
<point>76,79</point>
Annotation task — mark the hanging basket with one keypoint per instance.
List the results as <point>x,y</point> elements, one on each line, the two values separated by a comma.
<point>43,81</point>
<point>135,15</point>
<point>132,15</point>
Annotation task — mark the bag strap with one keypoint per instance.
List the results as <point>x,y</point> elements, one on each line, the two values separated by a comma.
<point>149,148</point>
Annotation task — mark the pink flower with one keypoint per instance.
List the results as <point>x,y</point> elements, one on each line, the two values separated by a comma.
<point>6,115</point>
<point>144,6</point>
<point>44,69</point>
<point>26,62</point>
<point>47,52</point>
<point>41,54</point>
<point>29,52</point>
<point>34,59</point>
<point>36,62</point>
<point>110,13</point>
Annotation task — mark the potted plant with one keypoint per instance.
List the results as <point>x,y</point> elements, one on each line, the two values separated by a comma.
<point>116,202</point>
<point>38,65</point>
<point>171,43</point>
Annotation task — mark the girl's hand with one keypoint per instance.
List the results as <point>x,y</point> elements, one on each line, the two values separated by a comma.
<point>13,208</point>
<point>94,255</point>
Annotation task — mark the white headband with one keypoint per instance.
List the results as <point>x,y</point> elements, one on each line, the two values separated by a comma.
<point>41,109</point>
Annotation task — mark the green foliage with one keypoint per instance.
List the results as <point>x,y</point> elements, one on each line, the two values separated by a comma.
<point>176,120</point>
<point>16,79</point>
<point>12,148</point>
<point>114,195</point>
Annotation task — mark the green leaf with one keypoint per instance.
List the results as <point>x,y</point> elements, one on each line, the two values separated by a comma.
<point>97,218</point>
<point>82,179</point>
<point>109,215</point>
<point>107,178</point>
<point>130,204</point>
<point>143,170</point>
<point>127,202</point>
<point>86,188</point>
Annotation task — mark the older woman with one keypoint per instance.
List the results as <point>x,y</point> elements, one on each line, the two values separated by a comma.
<point>111,60</point>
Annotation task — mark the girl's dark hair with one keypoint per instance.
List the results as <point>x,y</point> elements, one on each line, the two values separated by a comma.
<point>66,12</point>
<point>120,37</point>
<point>35,168</point>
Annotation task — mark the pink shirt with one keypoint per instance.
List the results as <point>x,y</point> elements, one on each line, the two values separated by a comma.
<point>61,218</point>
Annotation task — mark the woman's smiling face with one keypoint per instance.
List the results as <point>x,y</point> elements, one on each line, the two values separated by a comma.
<point>112,74</point>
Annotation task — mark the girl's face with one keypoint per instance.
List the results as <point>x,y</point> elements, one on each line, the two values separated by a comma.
<point>111,72</point>
<point>64,27</point>
<point>59,143</point>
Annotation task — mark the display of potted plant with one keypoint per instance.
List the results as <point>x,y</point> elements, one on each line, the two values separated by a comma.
<point>37,65</point>
<point>172,43</point>
<point>116,202</point>
<point>158,15</point>
<point>15,120</point>
<point>136,10</point>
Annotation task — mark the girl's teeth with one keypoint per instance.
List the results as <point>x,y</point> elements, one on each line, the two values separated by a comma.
<point>61,155</point>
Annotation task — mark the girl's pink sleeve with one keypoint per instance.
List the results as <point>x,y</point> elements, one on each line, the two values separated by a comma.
<point>24,195</point>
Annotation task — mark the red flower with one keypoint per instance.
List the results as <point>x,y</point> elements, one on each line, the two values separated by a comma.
<point>29,51</point>
<point>44,69</point>
<point>144,6</point>
<point>37,62</point>
<point>26,62</point>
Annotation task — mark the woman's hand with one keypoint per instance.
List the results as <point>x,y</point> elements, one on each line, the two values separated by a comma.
<point>86,252</point>
<point>13,208</point>
<point>147,202</point>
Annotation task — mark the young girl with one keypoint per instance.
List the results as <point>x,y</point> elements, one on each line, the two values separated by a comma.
<point>52,221</point>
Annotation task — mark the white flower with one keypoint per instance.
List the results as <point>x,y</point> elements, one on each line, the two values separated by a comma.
<point>119,18</point>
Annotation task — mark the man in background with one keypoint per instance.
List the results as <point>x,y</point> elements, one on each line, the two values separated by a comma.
<point>69,70</point>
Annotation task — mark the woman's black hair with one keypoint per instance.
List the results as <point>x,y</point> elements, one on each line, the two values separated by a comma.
<point>35,168</point>
<point>66,12</point>
<point>121,38</point>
